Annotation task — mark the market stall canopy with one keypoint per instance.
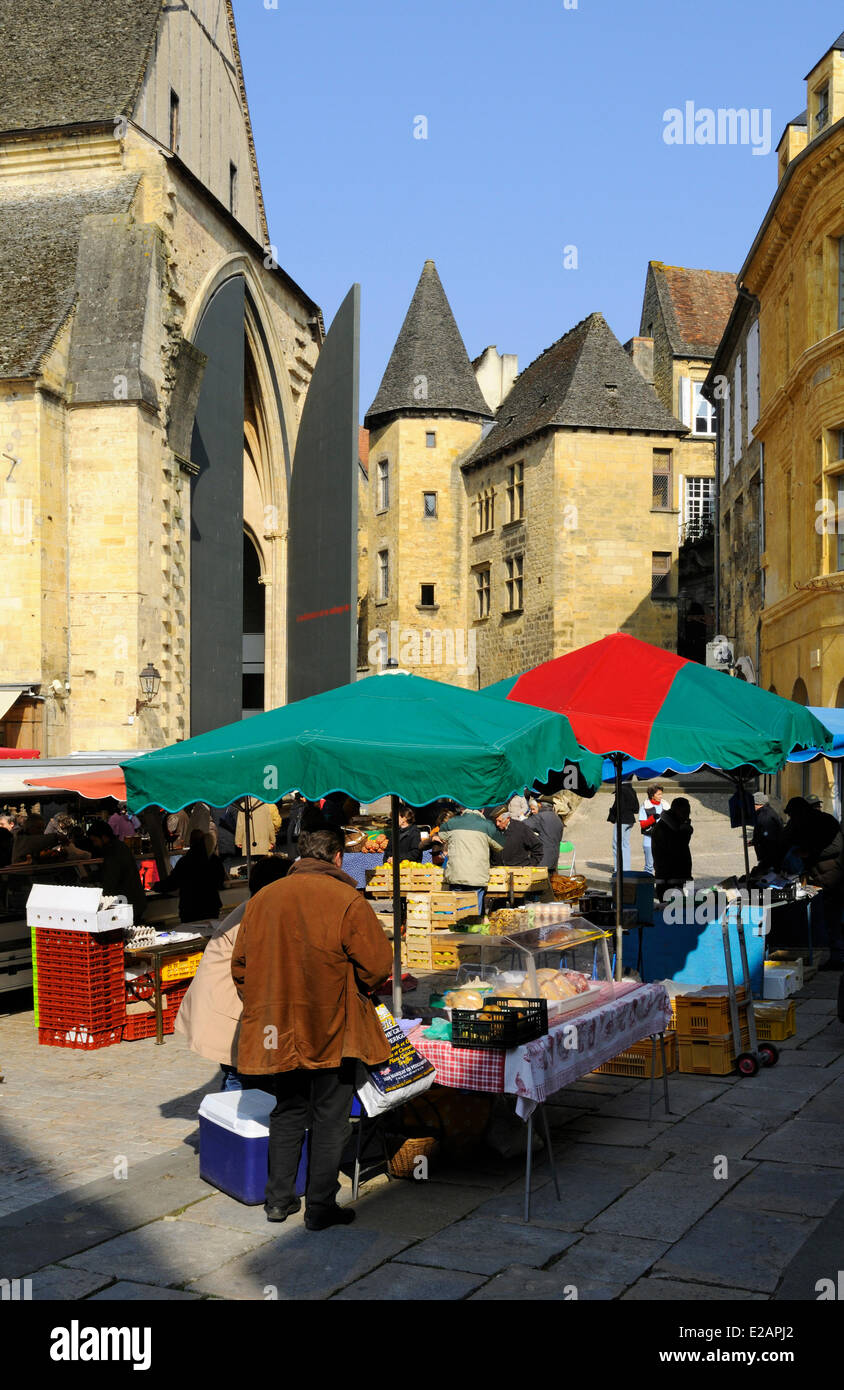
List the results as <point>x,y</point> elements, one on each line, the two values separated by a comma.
<point>393,734</point>
<point>625,696</point>
<point>11,754</point>
<point>27,778</point>
<point>93,785</point>
<point>832,719</point>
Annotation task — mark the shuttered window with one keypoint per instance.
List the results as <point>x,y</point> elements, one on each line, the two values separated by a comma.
<point>660,574</point>
<point>661,480</point>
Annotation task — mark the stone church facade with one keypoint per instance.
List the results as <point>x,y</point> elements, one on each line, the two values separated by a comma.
<point>154,361</point>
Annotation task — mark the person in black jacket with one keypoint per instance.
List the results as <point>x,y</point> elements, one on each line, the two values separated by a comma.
<point>522,845</point>
<point>548,826</point>
<point>119,876</point>
<point>817,838</point>
<point>411,840</point>
<point>670,840</point>
<point>629,815</point>
<point>198,878</point>
<point>767,832</point>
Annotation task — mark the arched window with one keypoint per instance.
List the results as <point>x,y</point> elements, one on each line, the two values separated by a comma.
<point>800,694</point>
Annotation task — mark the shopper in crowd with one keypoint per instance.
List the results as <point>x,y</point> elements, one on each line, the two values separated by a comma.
<point>119,875</point>
<point>521,843</point>
<point>7,838</point>
<point>121,824</point>
<point>548,826</point>
<point>629,812</point>
<point>210,1012</point>
<point>652,809</point>
<point>412,841</point>
<point>32,841</point>
<point>767,832</point>
<point>293,826</point>
<point>816,837</point>
<point>308,950</point>
<point>671,836</point>
<point>197,878</point>
<point>225,822</point>
<point>265,823</point>
<point>467,838</point>
<point>519,807</point>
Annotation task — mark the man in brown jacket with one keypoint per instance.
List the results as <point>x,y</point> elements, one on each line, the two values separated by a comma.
<point>308,950</point>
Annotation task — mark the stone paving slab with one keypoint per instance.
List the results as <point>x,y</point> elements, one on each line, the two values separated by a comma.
<point>54,1282</point>
<point>637,1163</point>
<point>521,1284</point>
<point>301,1264</point>
<point>815,1006</point>
<point>827,1105</point>
<point>126,1292</point>
<point>818,1259</point>
<point>585,1192</point>
<point>654,1290</point>
<point>710,1137</point>
<point>664,1205</point>
<point>830,1039</point>
<point>168,1252</point>
<point>224,1212</point>
<point>396,1282</point>
<point>808,1141</point>
<point>737,1248</point>
<point>786,1188</point>
<point>598,1129</point>
<point>413,1210</point>
<point>483,1245</point>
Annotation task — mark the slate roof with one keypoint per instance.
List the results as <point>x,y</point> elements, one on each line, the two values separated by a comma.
<point>430,346</point>
<point>696,305</point>
<point>585,380</point>
<point>838,46</point>
<point>39,242</point>
<point>66,62</point>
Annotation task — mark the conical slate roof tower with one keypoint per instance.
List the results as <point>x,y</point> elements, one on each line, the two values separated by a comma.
<point>429,372</point>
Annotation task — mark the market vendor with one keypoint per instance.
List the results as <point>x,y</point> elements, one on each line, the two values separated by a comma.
<point>412,841</point>
<point>31,841</point>
<point>522,845</point>
<point>119,875</point>
<point>817,838</point>
<point>197,878</point>
<point>767,832</point>
<point>671,847</point>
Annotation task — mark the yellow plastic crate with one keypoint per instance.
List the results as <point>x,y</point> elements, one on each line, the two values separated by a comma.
<point>709,1056</point>
<point>706,1013</point>
<point>636,1060</point>
<point>180,967</point>
<point>774,1020</point>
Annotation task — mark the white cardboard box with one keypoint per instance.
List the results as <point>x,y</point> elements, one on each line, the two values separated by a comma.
<point>61,907</point>
<point>779,981</point>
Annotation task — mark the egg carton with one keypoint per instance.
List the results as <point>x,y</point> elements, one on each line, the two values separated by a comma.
<point>61,907</point>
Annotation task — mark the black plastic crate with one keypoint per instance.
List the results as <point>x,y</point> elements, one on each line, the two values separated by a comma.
<point>520,1021</point>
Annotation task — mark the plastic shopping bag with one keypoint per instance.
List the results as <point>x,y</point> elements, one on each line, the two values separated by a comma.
<point>406,1074</point>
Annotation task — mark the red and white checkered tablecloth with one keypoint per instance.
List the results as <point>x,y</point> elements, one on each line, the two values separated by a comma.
<point>625,1013</point>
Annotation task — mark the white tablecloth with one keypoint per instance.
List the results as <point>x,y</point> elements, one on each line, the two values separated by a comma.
<point>577,1045</point>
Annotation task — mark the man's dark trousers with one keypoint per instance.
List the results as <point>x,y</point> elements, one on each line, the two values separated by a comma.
<point>320,1102</point>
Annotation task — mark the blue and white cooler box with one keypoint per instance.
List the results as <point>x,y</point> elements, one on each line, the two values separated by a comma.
<point>234,1142</point>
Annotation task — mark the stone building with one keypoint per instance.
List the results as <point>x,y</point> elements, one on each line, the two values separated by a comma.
<point>684,313</point>
<point>511,523</point>
<point>154,361</point>
<point>795,270</point>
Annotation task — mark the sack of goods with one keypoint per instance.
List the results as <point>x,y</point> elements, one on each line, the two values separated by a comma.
<point>406,1074</point>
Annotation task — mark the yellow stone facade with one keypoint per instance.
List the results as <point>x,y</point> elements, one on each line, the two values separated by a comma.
<point>794,268</point>
<point>96,516</point>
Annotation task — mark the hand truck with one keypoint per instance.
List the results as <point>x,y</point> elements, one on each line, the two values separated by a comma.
<point>760,1054</point>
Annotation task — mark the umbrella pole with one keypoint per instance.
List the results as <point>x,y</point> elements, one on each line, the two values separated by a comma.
<point>740,781</point>
<point>394,834</point>
<point>619,868</point>
<point>247,826</point>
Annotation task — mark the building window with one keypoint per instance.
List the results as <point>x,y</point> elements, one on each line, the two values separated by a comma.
<point>430,439</point>
<point>174,121</point>
<point>822,112</point>
<point>752,377</point>
<point>383,574</point>
<point>429,504</point>
<point>482,592</point>
<point>704,413</point>
<point>232,187</point>
<point>660,574</point>
<point>514,582</point>
<point>839,535</point>
<point>841,282</point>
<point>515,492</point>
<point>661,480</point>
<point>426,596</point>
<point>699,507</point>
<point>383,476</point>
<point>726,434</point>
<point>485,505</point>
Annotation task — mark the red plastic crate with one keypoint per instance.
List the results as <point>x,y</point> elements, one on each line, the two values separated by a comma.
<point>75,943</point>
<point>143,1025</point>
<point>79,1039</point>
<point>55,1014</point>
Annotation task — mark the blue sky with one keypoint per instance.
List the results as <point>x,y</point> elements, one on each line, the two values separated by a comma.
<point>544,130</point>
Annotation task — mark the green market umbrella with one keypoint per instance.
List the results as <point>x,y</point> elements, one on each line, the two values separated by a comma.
<point>630,700</point>
<point>394,735</point>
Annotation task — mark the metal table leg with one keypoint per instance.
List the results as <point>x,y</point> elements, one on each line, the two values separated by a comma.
<point>528,1165</point>
<point>159,1012</point>
<point>664,1073</point>
<point>550,1152</point>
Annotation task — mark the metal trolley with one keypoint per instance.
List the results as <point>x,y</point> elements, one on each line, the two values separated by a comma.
<point>763,1054</point>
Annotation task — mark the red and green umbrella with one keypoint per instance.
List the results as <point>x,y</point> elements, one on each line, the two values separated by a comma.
<point>624,696</point>
<point>629,700</point>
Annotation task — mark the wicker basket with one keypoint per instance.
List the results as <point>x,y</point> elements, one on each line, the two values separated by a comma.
<point>403,1160</point>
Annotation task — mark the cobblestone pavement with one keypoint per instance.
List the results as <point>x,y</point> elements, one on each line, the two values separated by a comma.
<point>737,1194</point>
